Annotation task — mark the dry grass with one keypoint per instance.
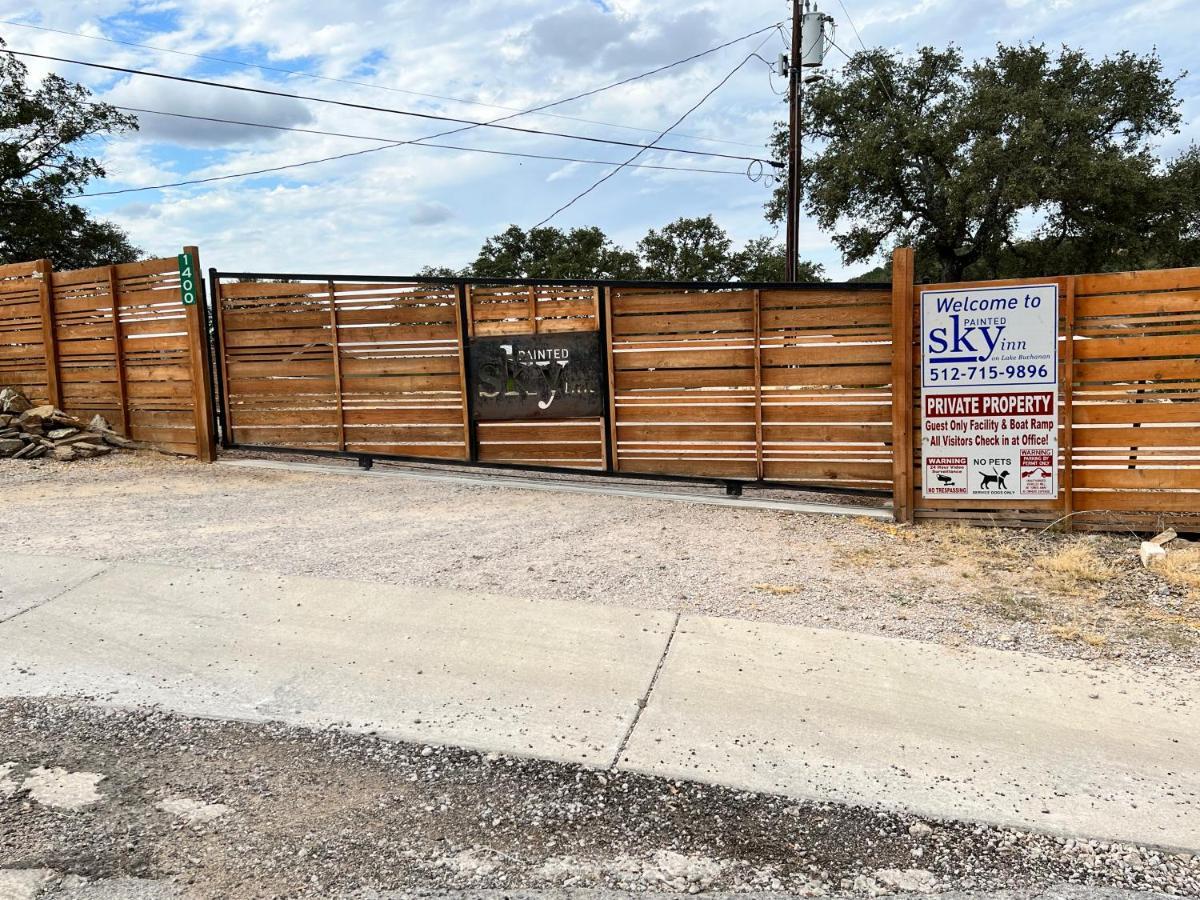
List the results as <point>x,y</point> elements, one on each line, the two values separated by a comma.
<point>1182,568</point>
<point>778,589</point>
<point>1073,569</point>
<point>1073,632</point>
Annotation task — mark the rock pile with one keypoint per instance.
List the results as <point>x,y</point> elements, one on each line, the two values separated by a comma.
<point>30,432</point>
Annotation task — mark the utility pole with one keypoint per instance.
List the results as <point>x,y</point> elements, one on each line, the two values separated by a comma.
<point>808,51</point>
<point>795,87</point>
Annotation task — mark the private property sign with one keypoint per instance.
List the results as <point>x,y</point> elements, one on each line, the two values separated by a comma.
<point>989,391</point>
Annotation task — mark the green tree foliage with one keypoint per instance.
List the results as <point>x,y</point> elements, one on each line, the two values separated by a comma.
<point>552,253</point>
<point>42,164</point>
<point>764,259</point>
<point>953,158</point>
<point>685,250</point>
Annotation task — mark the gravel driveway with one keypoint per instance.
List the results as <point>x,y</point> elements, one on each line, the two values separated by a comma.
<point>204,809</point>
<point>1078,596</point>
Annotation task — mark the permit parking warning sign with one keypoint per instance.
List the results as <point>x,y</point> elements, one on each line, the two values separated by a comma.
<point>989,392</point>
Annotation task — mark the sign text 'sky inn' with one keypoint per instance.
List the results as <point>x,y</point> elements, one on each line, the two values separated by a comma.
<point>544,376</point>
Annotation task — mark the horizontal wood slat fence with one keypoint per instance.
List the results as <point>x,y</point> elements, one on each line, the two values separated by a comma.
<point>781,385</point>
<point>115,341</point>
<point>1129,405</point>
<point>808,385</point>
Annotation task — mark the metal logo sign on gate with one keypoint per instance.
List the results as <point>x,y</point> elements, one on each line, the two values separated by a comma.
<point>989,392</point>
<point>543,376</point>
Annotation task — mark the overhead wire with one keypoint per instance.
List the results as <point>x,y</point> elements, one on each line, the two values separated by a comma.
<point>367,137</point>
<point>663,134</point>
<point>382,87</point>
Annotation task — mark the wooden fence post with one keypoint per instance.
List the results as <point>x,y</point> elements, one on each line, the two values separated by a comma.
<point>758,394</point>
<point>206,445</point>
<point>902,385</point>
<point>462,318</point>
<point>337,365</point>
<point>1068,395</point>
<point>114,297</point>
<point>614,449</point>
<point>49,338</point>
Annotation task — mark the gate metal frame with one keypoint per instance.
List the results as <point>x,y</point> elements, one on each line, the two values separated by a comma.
<point>733,486</point>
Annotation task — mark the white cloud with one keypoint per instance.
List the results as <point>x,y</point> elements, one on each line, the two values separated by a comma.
<point>396,210</point>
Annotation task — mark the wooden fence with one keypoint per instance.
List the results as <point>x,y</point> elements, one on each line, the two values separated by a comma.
<point>1129,404</point>
<point>115,341</point>
<point>812,385</point>
<point>783,385</point>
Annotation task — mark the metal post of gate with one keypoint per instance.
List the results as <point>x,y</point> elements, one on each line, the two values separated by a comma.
<point>605,384</point>
<point>464,339</point>
<point>217,360</point>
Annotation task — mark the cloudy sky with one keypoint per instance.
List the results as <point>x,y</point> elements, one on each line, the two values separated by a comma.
<point>397,209</point>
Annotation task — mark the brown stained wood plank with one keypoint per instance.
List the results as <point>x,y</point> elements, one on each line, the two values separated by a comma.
<point>634,360</point>
<point>733,414</point>
<point>1087,372</point>
<point>1143,479</point>
<point>825,298</point>
<point>712,468</point>
<point>1128,282</point>
<point>492,451</point>
<point>1134,436</point>
<point>877,314</point>
<point>405,433</point>
<point>807,434</point>
<point>337,365</point>
<point>45,292</point>
<point>1130,412</point>
<point>19,269</point>
<point>1066,441</point>
<point>400,384</point>
<point>685,378</point>
<point>255,290</point>
<point>495,329</point>
<point>833,411</point>
<point>827,376</point>
<point>1125,347</point>
<point>114,290</point>
<point>685,323</point>
<point>1146,304</point>
<point>1138,501</point>
<point>558,326</point>
<point>423,451</point>
<point>818,355</point>
<point>461,328</point>
<point>722,434</point>
<point>780,469</point>
<point>288,437</point>
<point>614,411</point>
<point>675,303</point>
<point>758,386</point>
<point>901,374</point>
<point>534,430</point>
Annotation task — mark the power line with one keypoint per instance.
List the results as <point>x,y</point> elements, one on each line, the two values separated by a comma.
<point>468,123</point>
<point>874,68</point>
<point>395,90</point>
<point>367,137</point>
<point>853,27</point>
<point>663,134</point>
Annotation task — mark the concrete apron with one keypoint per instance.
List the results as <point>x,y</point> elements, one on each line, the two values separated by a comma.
<point>981,735</point>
